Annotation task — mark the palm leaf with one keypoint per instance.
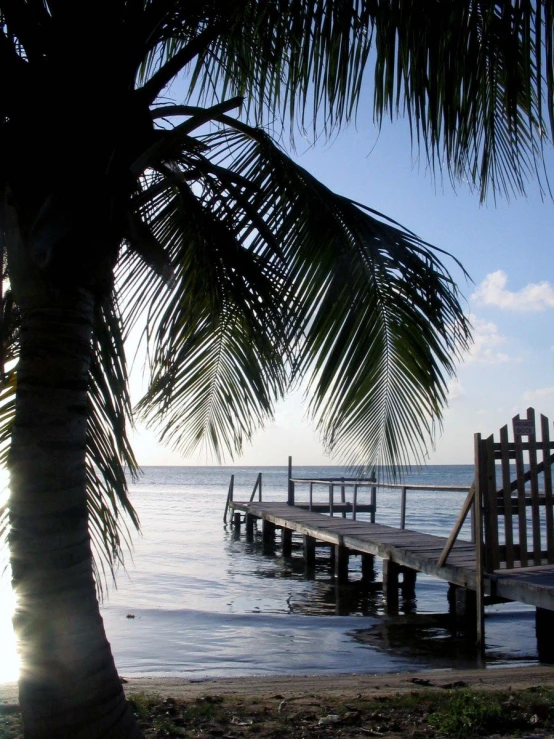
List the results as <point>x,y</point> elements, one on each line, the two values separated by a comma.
<point>218,354</point>
<point>366,311</point>
<point>475,79</point>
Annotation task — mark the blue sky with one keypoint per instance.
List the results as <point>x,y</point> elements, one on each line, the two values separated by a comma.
<point>506,248</point>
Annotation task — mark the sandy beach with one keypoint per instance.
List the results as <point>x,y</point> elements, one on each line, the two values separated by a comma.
<point>307,686</point>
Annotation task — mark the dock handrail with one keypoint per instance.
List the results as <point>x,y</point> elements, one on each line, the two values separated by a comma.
<point>229,498</point>
<point>257,487</point>
<point>356,482</point>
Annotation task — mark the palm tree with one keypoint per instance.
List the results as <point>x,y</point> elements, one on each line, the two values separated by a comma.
<point>251,273</point>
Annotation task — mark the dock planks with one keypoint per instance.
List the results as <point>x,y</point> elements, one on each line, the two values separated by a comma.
<point>411,549</point>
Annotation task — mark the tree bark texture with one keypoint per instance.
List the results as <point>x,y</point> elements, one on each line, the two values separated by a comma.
<point>69,686</point>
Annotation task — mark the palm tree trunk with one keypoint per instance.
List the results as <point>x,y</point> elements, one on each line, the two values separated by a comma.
<point>68,683</point>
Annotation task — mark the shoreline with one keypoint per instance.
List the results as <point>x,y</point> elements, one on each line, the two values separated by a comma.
<point>347,685</point>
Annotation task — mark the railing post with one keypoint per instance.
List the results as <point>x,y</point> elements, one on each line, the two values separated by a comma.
<point>354,502</point>
<point>311,495</point>
<point>260,488</point>
<point>373,497</point>
<point>331,498</point>
<point>229,498</point>
<point>480,485</point>
<point>256,485</point>
<point>343,496</point>
<point>290,497</point>
<point>403,509</point>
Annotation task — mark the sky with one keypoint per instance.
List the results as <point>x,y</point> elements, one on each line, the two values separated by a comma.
<point>506,247</point>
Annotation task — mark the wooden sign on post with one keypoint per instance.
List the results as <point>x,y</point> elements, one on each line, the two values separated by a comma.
<point>524,427</point>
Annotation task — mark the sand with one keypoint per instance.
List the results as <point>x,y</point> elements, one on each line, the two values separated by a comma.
<point>308,686</point>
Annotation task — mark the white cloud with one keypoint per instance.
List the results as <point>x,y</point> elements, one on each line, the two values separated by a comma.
<point>534,297</point>
<point>539,394</point>
<point>455,390</point>
<point>486,342</point>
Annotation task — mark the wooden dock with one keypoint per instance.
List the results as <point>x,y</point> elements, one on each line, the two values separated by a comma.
<point>498,565</point>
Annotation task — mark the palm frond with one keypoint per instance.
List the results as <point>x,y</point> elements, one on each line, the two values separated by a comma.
<point>377,320</point>
<point>218,352</point>
<point>366,310</point>
<point>475,79</point>
<point>109,453</point>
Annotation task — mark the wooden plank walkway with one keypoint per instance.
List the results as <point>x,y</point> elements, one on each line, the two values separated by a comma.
<point>410,549</point>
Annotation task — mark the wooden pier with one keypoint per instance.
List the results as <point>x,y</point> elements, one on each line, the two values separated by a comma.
<point>497,565</point>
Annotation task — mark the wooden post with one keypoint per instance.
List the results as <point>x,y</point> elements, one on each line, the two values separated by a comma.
<point>343,495</point>
<point>390,584</point>
<point>250,527</point>
<point>544,624</point>
<point>229,498</point>
<point>403,509</point>
<point>341,563</point>
<point>354,502</point>
<point>286,542</point>
<point>236,521</point>
<point>466,613</point>
<point>331,499</point>
<point>373,498</point>
<point>311,495</point>
<point>409,577</point>
<point>268,536</point>
<point>368,567</point>
<point>290,499</point>
<point>480,488</point>
<point>309,551</point>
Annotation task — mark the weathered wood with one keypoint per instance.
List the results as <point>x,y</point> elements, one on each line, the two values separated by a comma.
<point>373,503</point>
<point>409,578</point>
<point>229,498</point>
<point>544,625</point>
<point>535,505</point>
<point>490,506</point>
<point>457,526</point>
<point>257,488</point>
<point>290,492</point>
<point>411,549</point>
<point>507,499</point>
<point>268,536</point>
<point>391,572</point>
<point>549,503</point>
<point>520,478</point>
<point>236,520</point>
<point>368,567</point>
<point>467,612</point>
<point>250,519</point>
<point>286,542</point>
<point>309,551</point>
<point>480,487</point>
<point>403,508</point>
<point>342,556</point>
<point>343,496</point>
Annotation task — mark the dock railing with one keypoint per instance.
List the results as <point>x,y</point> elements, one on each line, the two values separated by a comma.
<point>344,485</point>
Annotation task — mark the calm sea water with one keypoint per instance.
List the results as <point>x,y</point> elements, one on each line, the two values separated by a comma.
<point>195,601</point>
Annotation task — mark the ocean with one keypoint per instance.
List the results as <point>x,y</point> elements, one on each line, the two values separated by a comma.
<point>196,601</point>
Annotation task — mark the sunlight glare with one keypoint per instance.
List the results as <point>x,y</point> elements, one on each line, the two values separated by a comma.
<point>9,664</point>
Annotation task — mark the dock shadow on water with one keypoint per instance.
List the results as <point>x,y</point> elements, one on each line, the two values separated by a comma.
<point>207,604</point>
<point>413,632</point>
